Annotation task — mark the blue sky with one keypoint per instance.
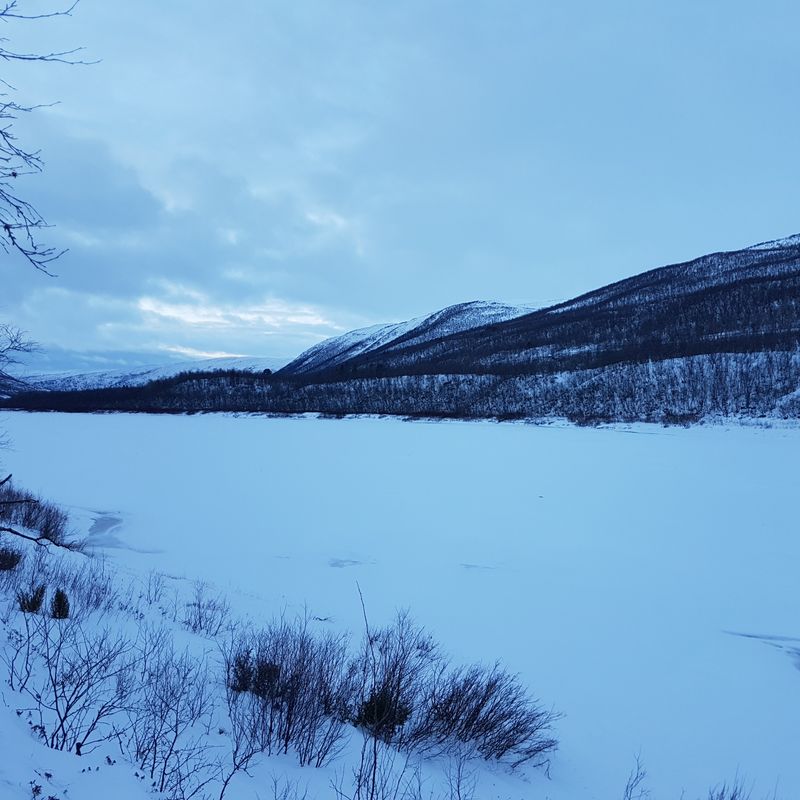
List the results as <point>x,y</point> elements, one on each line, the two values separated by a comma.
<point>249,178</point>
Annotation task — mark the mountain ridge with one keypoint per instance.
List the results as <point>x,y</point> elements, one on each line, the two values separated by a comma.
<point>461,316</point>
<point>719,291</point>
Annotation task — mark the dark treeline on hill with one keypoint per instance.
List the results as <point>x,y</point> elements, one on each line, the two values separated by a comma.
<point>716,336</point>
<point>673,391</point>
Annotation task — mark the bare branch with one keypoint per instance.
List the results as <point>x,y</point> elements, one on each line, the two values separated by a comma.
<point>20,223</point>
<point>634,788</point>
<point>37,539</point>
<point>9,12</point>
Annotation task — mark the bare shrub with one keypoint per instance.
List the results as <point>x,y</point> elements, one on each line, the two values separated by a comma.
<point>411,698</point>
<point>154,588</point>
<point>486,709</point>
<point>30,601</point>
<point>385,773</point>
<point>635,788</point>
<point>171,717</point>
<point>394,668</point>
<point>462,781</point>
<point>24,509</point>
<point>281,788</point>
<point>83,681</point>
<point>18,655</point>
<point>382,773</point>
<point>729,791</point>
<point>246,736</point>
<point>27,575</point>
<point>328,692</point>
<point>59,606</point>
<point>289,689</point>
<point>382,713</point>
<point>206,614</point>
<point>9,559</point>
<point>241,671</point>
<point>88,582</point>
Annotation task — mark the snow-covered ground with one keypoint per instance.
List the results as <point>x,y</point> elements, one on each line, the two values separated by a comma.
<point>641,580</point>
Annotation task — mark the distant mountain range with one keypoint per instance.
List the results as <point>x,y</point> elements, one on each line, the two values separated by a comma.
<point>325,355</point>
<point>138,376</point>
<point>716,336</point>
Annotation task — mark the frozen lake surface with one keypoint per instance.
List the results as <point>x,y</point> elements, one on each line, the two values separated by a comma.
<point>643,580</point>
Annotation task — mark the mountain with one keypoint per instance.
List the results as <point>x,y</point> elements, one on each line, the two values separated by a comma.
<point>718,336</point>
<point>742,301</point>
<point>334,352</point>
<point>138,376</point>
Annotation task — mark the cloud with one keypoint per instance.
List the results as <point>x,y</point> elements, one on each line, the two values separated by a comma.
<point>191,352</point>
<point>294,169</point>
<point>199,311</point>
<point>172,318</point>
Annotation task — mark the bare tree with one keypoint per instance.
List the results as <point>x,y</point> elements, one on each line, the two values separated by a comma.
<point>635,788</point>
<point>20,222</point>
<point>13,343</point>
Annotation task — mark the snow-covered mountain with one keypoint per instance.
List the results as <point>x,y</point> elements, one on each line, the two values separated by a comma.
<point>742,301</point>
<point>453,319</point>
<point>777,244</point>
<point>72,381</point>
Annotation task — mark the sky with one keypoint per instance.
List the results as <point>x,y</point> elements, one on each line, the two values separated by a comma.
<point>255,176</point>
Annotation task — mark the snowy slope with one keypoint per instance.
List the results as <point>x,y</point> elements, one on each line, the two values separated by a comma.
<point>777,244</point>
<point>140,376</point>
<point>27,764</point>
<point>640,580</point>
<point>453,319</point>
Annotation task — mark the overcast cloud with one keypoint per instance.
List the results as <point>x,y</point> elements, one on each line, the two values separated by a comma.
<point>251,177</point>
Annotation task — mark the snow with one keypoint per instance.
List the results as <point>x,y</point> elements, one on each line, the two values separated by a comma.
<point>775,244</point>
<point>26,763</point>
<point>641,580</point>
